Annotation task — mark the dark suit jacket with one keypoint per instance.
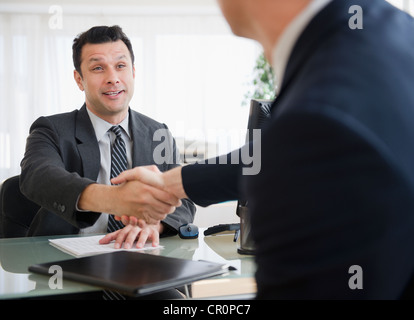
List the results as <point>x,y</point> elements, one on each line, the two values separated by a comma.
<point>336,187</point>
<point>62,158</point>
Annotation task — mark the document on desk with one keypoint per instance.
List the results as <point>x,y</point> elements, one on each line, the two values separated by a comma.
<point>89,246</point>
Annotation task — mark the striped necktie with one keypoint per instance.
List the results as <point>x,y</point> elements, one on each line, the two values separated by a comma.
<point>118,164</point>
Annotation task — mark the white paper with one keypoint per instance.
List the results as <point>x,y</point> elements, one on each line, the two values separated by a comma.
<point>88,246</point>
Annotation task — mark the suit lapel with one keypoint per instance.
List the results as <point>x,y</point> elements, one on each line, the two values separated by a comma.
<point>142,140</point>
<point>87,145</point>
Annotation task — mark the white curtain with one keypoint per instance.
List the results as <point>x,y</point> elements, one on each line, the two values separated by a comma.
<point>191,72</point>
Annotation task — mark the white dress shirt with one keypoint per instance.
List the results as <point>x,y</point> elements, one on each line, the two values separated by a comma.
<point>290,35</point>
<point>105,140</point>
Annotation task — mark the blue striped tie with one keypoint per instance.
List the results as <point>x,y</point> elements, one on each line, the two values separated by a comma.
<point>118,164</point>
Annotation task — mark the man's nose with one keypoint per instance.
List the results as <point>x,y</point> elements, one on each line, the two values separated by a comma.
<point>112,76</point>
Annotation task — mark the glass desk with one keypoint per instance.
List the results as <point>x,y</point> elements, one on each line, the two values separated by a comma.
<point>17,254</point>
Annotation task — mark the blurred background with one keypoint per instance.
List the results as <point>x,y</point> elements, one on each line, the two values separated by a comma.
<point>191,72</point>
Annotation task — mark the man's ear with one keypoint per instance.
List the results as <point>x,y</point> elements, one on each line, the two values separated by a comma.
<point>78,79</point>
<point>133,71</point>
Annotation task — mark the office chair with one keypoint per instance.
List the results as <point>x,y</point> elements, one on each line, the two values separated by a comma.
<point>16,211</point>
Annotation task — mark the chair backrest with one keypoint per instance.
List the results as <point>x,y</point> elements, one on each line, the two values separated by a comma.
<point>16,211</point>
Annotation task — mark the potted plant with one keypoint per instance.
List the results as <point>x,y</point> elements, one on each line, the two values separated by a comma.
<point>262,85</point>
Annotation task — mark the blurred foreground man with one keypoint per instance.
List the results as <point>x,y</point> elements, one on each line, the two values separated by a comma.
<point>333,205</point>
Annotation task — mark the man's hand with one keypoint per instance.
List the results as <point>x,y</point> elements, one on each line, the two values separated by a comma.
<point>144,201</point>
<point>169,181</point>
<point>127,236</point>
<point>131,198</point>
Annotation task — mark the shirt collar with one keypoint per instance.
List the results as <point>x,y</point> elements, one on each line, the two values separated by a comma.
<point>101,126</point>
<point>290,35</point>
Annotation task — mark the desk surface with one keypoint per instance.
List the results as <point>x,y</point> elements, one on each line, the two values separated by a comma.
<point>17,254</point>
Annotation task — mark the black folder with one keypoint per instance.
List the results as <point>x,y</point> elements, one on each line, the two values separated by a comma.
<point>133,273</point>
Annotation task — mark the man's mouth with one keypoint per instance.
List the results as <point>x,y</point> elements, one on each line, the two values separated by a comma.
<point>113,93</point>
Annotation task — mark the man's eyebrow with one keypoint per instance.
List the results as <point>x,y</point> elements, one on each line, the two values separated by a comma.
<point>94,59</point>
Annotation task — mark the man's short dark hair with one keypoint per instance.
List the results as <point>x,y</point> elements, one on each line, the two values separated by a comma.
<point>95,35</point>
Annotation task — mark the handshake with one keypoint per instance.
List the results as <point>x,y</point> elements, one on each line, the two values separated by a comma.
<point>147,194</point>
<point>140,197</point>
<point>140,194</point>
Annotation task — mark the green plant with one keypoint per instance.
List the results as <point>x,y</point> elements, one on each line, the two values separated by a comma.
<point>262,85</point>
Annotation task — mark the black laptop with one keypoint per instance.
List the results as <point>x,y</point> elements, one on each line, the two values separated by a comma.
<point>133,273</point>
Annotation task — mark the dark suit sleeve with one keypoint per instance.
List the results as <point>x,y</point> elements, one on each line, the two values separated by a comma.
<point>45,178</point>
<point>220,179</point>
<point>208,184</point>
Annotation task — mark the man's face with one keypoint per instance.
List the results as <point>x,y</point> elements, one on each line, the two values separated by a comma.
<point>107,79</point>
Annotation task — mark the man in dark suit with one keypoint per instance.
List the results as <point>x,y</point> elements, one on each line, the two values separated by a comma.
<point>333,205</point>
<point>67,161</point>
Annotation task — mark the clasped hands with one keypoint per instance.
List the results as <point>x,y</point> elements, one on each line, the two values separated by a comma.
<point>159,195</point>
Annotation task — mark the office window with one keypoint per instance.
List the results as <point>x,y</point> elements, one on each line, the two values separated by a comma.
<point>202,81</point>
